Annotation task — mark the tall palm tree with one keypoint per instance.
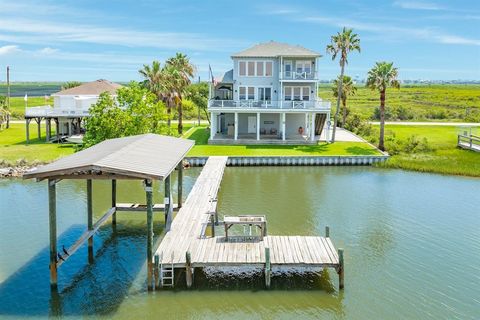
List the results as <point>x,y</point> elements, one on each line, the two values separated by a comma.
<point>342,44</point>
<point>182,71</point>
<point>348,89</point>
<point>380,77</point>
<point>158,80</point>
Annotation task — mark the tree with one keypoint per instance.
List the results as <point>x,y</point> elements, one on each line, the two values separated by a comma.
<point>348,89</point>
<point>70,84</point>
<point>198,94</point>
<point>182,71</point>
<point>169,83</point>
<point>342,44</point>
<point>380,77</point>
<point>134,111</point>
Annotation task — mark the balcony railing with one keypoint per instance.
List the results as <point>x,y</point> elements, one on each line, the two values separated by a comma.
<point>269,104</point>
<point>292,75</point>
<point>48,111</point>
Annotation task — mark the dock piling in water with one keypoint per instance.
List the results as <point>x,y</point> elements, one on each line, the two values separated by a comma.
<point>341,270</point>
<point>268,268</point>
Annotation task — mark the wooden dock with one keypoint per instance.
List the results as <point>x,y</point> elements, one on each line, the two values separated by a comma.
<point>186,245</point>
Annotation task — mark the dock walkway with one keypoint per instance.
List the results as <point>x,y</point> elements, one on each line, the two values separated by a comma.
<point>187,234</point>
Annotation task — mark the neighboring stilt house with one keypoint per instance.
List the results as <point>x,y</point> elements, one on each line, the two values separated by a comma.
<point>70,108</point>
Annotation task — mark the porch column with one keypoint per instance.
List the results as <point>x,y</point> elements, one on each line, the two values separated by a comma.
<point>236,126</point>
<point>312,131</point>
<point>39,127</point>
<point>327,128</point>
<point>258,125</point>
<point>283,126</point>
<point>212,125</point>
<point>70,127</point>
<point>306,131</point>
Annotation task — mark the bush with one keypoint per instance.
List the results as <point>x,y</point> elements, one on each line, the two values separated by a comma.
<point>412,144</point>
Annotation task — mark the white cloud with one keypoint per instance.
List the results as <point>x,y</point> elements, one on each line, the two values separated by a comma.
<point>35,31</point>
<point>387,31</point>
<point>9,49</point>
<point>418,5</point>
<point>47,51</point>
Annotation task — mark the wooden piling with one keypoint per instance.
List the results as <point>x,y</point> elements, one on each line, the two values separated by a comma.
<point>90,219</point>
<point>48,129</point>
<point>168,218</point>
<point>39,128</point>
<point>180,184</point>
<point>188,271</point>
<point>57,133</point>
<point>27,129</point>
<point>52,208</point>
<point>327,232</point>
<point>212,223</point>
<point>148,193</point>
<point>268,268</point>
<point>156,269</point>
<point>341,269</point>
<point>114,201</point>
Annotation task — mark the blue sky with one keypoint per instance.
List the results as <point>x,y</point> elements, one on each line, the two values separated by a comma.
<point>87,40</point>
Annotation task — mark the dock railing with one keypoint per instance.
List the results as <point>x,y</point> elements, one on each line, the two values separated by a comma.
<point>471,141</point>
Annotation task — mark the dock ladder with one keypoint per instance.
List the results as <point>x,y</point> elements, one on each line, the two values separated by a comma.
<point>167,274</point>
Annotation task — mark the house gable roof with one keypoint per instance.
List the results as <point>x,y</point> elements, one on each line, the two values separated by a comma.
<point>94,88</point>
<point>276,49</point>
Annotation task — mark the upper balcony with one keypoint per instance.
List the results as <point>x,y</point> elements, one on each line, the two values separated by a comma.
<point>49,112</point>
<point>298,76</point>
<point>225,105</point>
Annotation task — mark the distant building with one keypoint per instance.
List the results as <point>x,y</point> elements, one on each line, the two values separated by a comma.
<point>270,96</point>
<point>70,107</point>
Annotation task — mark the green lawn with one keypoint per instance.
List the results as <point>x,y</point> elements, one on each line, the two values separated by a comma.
<point>13,147</point>
<point>446,157</point>
<point>201,148</point>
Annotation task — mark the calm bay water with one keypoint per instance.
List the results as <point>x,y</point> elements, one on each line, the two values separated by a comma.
<point>412,245</point>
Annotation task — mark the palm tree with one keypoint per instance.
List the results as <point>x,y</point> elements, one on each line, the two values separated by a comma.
<point>380,77</point>
<point>182,71</point>
<point>348,89</point>
<point>158,81</point>
<point>341,44</point>
<point>70,84</point>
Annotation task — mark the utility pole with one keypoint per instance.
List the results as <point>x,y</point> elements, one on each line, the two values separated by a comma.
<point>8,97</point>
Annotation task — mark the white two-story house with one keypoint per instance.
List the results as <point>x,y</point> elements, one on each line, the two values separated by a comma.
<point>70,107</point>
<point>270,96</point>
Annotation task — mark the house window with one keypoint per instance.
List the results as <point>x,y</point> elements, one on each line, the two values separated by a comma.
<point>306,93</point>
<point>268,68</point>
<point>242,95</point>
<point>242,68</point>
<point>297,93</point>
<point>304,67</point>
<point>251,68</point>
<point>251,93</point>
<point>265,94</point>
<point>288,93</point>
<point>260,69</point>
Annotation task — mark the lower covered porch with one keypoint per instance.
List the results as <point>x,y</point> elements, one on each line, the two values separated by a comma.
<point>268,128</point>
